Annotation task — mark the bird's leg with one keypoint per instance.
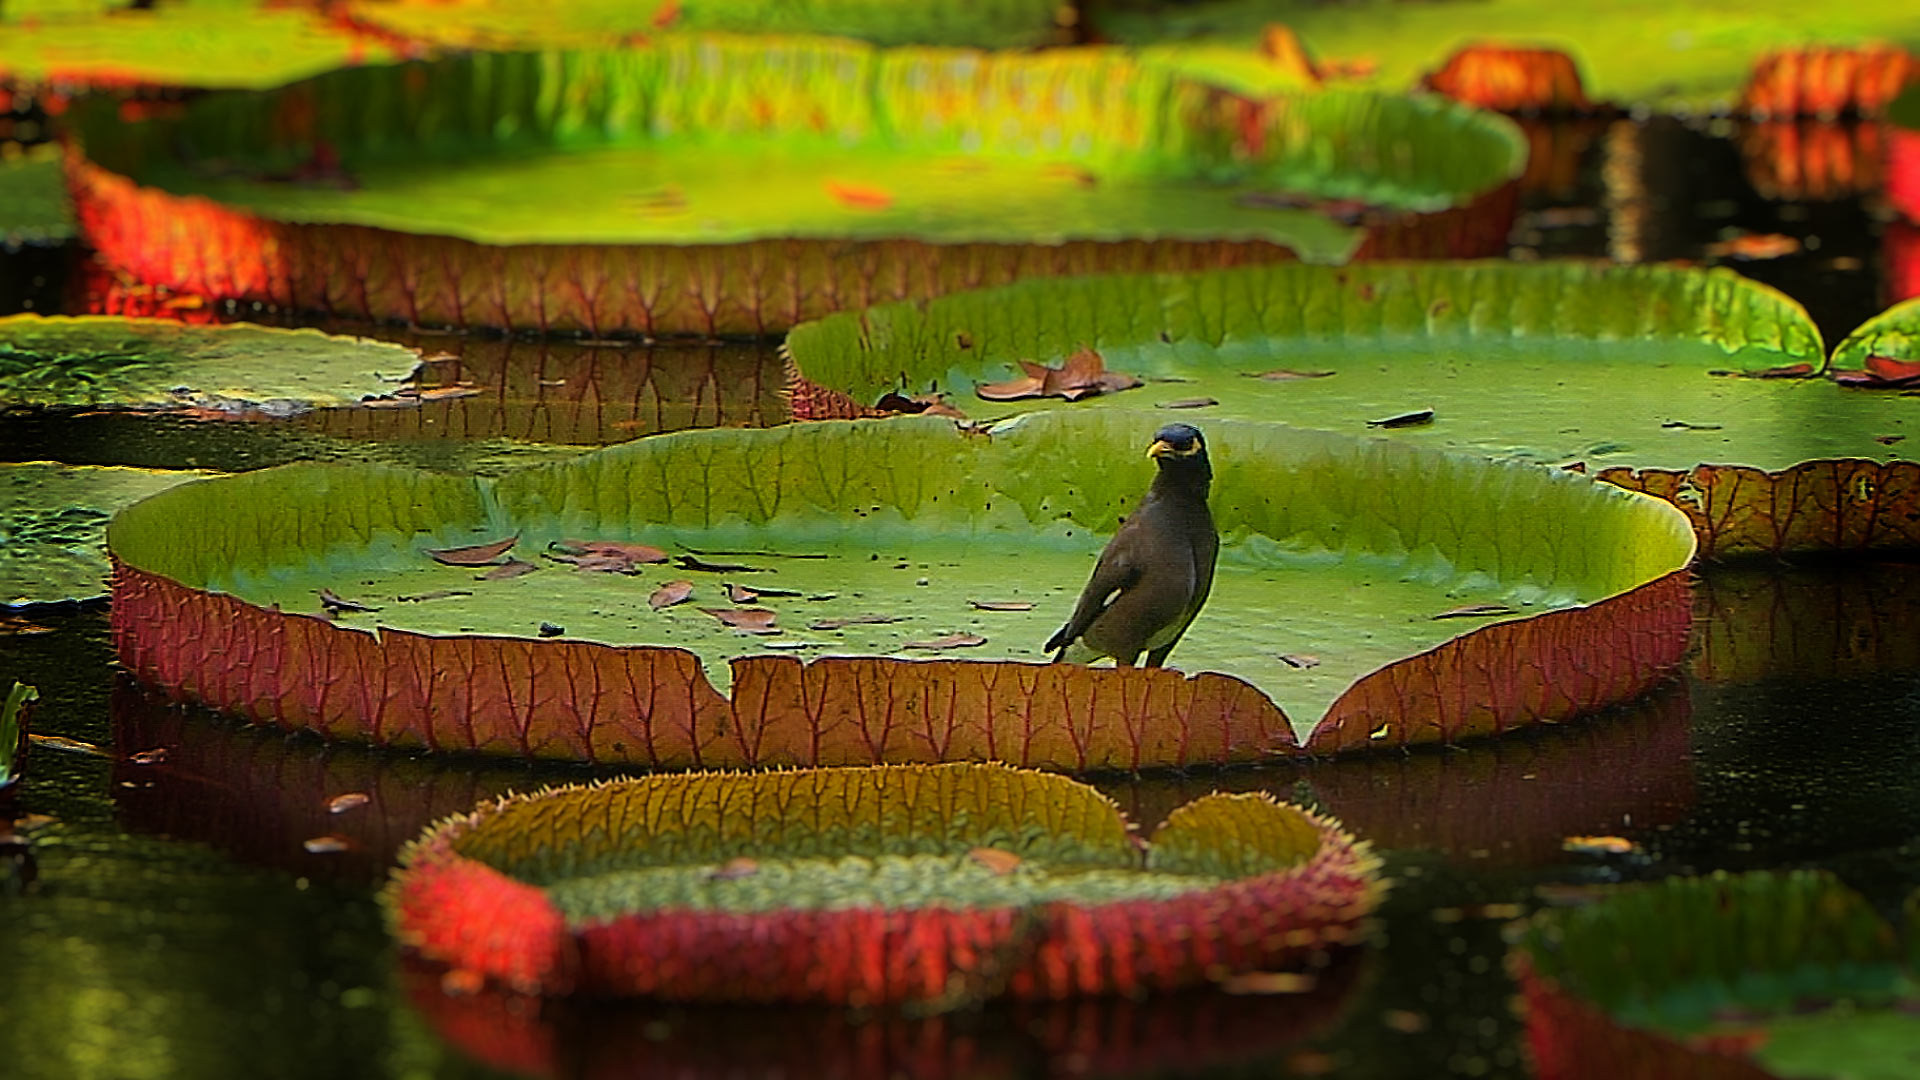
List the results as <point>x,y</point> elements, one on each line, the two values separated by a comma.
<point>1159,656</point>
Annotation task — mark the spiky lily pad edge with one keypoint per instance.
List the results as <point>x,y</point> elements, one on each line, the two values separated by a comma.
<point>653,706</point>
<point>459,911</point>
<point>1845,504</point>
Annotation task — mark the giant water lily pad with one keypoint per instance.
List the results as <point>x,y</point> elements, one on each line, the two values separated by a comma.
<point>878,542</point>
<point>720,184</point>
<point>101,361</point>
<point>874,885</point>
<point>1754,976</point>
<point>201,43</point>
<point>1639,373</point>
<point>1642,52</point>
<point>52,542</point>
<point>521,24</point>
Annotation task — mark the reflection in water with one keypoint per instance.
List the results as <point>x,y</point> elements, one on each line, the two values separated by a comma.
<point>1187,1033</point>
<point>1819,622</point>
<point>1810,160</point>
<point>261,795</point>
<point>1503,802</point>
<point>1556,153</point>
<point>560,392</point>
<point>1900,246</point>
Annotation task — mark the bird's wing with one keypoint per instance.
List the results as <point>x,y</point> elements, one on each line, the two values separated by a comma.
<point>1112,575</point>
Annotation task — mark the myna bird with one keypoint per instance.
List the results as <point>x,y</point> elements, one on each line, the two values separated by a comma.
<point>1156,571</point>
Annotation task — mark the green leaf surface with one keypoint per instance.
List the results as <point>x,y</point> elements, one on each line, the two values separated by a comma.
<point>1843,1044</point>
<point>1643,51</point>
<point>198,43</point>
<point>1550,363</point>
<point>34,208</point>
<point>53,521</point>
<point>102,361</point>
<point>1679,955</point>
<point>1894,334</point>
<point>520,24</point>
<point>716,139</point>
<point>912,520</point>
<point>1791,971</point>
<point>13,731</point>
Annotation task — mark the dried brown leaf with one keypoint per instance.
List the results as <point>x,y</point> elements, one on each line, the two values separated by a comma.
<point>999,861</point>
<point>1000,605</point>
<point>604,564</point>
<point>851,620</point>
<point>442,393</point>
<point>746,620</point>
<point>1287,375</point>
<point>437,594</point>
<point>1299,660</point>
<point>512,568</point>
<point>949,641</point>
<point>474,555</point>
<point>332,601</point>
<point>689,562</point>
<point>61,742</point>
<point>1784,371</point>
<point>1476,611</point>
<point>1189,403</point>
<point>1406,419</point>
<point>1011,390</point>
<point>673,592</point>
<point>639,553</point>
<point>352,800</point>
<point>1080,375</point>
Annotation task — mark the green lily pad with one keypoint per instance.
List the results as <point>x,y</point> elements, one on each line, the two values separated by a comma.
<point>920,525</point>
<point>1894,334</point>
<point>522,24</point>
<point>101,361</point>
<point>34,208</point>
<point>52,545</point>
<point>235,43</point>
<point>1642,52</point>
<point>1002,874</point>
<point>13,731</point>
<point>1627,370</point>
<point>1790,974</point>
<point>696,146</point>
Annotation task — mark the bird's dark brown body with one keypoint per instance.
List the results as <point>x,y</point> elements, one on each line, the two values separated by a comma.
<point>1155,573</point>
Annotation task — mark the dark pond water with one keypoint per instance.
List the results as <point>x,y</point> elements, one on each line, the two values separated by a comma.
<point>170,922</point>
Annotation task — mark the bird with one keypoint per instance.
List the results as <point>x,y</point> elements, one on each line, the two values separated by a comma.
<point>1155,573</point>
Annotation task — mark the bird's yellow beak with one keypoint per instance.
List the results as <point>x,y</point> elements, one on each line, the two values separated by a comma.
<point>1162,448</point>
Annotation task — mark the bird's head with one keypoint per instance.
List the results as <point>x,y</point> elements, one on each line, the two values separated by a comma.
<point>1177,442</point>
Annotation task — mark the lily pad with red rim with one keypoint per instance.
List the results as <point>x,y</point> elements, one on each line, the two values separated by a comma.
<point>888,531</point>
<point>781,177</point>
<point>1751,976</point>
<point>866,886</point>
<point>1649,376</point>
